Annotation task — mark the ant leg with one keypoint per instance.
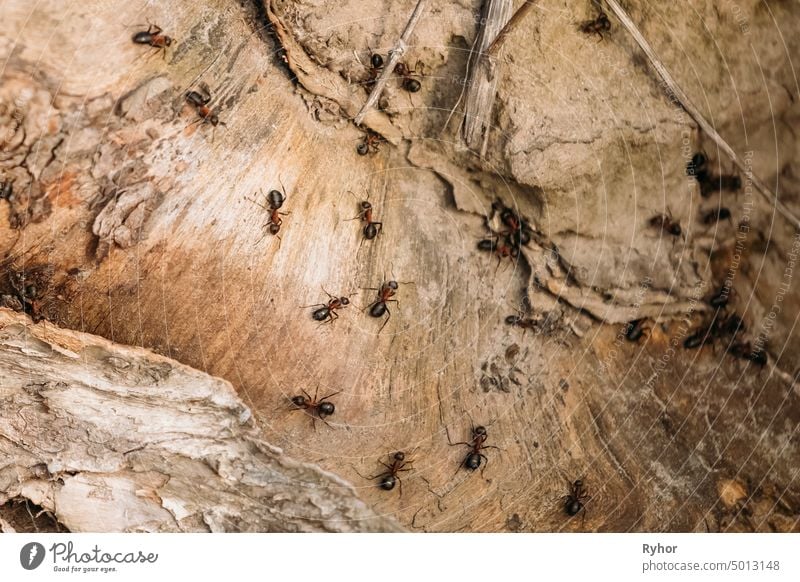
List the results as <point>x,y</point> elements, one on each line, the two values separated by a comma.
<point>307,395</point>
<point>331,317</point>
<point>399,484</point>
<point>388,317</point>
<point>330,396</point>
<point>452,444</point>
<point>486,459</point>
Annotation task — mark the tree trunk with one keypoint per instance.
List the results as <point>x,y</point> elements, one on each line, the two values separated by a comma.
<point>138,224</point>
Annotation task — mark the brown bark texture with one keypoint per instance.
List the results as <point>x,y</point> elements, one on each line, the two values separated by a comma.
<point>124,218</point>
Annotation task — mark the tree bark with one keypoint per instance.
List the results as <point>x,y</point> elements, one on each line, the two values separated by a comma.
<point>137,224</point>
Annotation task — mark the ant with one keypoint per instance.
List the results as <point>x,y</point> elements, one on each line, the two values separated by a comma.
<point>386,291</point>
<point>370,143</point>
<point>200,99</point>
<point>153,37</point>
<point>372,228</point>
<point>390,477</point>
<point>409,83</point>
<point>525,323</point>
<point>275,200</point>
<point>519,232</point>
<point>597,26</point>
<point>666,223</point>
<point>374,70</point>
<point>327,311</point>
<point>500,248</point>
<point>721,297</point>
<point>713,216</point>
<point>319,408</point>
<point>6,190</point>
<point>576,500</point>
<point>698,167</point>
<point>746,352</point>
<point>636,330</point>
<point>473,459</point>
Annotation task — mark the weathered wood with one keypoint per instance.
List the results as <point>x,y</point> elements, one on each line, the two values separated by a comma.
<point>111,438</point>
<point>202,284</point>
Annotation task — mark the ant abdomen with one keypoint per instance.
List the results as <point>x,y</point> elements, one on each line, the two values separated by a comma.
<point>321,314</point>
<point>378,309</point>
<point>388,482</point>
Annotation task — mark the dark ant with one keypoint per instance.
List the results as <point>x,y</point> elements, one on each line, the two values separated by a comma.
<point>698,168</point>
<point>409,83</point>
<point>370,143</point>
<point>597,26</point>
<point>374,70</point>
<point>327,311</point>
<point>200,99</point>
<point>525,323</point>
<point>372,228</point>
<point>473,459</point>
<point>153,37</point>
<point>666,223</point>
<point>390,477</point>
<point>636,330</point>
<point>6,190</point>
<point>713,216</point>
<point>720,326</point>
<point>501,248</point>
<point>519,232</point>
<point>721,297</point>
<point>709,183</point>
<point>745,351</point>
<point>318,408</point>
<point>386,291</point>
<point>577,499</point>
<point>275,200</point>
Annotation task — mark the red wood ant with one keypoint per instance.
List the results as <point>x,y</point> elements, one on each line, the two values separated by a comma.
<point>390,477</point>
<point>576,500</point>
<point>318,408</point>
<point>666,223</point>
<point>715,215</point>
<point>200,99</point>
<point>597,26</point>
<point>478,443</point>
<point>636,330</point>
<point>327,311</point>
<point>372,228</point>
<point>370,143</point>
<point>153,37</point>
<point>500,247</point>
<point>410,83</point>
<point>745,351</point>
<point>374,70</point>
<point>275,200</point>
<point>378,308</point>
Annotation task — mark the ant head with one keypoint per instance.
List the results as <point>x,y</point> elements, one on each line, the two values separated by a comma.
<point>377,61</point>
<point>699,160</point>
<point>578,484</point>
<point>479,430</point>
<point>214,119</point>
<point>362,148</point>
<point>486,244</point>
<point>513,319</point>
<point>399,456</point>
<point>168,41</point>
<point>675,229</point>
<point>366,205</point>
<point>298,400</point>
<point>392,285</point>
<point>326,409</point>
<point>344,300</point>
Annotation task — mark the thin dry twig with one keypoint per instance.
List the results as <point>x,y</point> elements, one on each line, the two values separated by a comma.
<point>695,114</point>
<point>510,26</point>
<point>394,56</point>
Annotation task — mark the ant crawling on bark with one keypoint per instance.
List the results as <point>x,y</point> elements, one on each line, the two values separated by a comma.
<point>576,500</point>
<point>374,70</point>
<point>713,216</point>
<point>327,311</point>
<point>478,443</point>
<point>390,477</point>
<point>153,37</point>
<point>317,408</point>
<point>371,143</point>
<point>372,228</point>
<point>275,200</point>
<point>596,26</point>
<point>709,183</point>
<point>666,223</point>
<point>500,247</point>
<point>745,351</point>
<point>409,83</point>
<point>636,330</point>
<point>386,291</point>
<point>199,99</point>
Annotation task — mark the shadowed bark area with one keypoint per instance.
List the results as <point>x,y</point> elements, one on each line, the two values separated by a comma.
<point>136,223</point>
